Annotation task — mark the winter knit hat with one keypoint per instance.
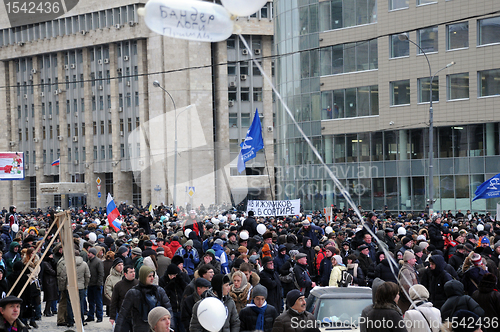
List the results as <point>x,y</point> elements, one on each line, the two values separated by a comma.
<point>116,261</point>
<point>292,297</point>
<point>173,269</point>
<point>408,255</point>
<point>477,259</point>
<point>419,292</point>
<point>144,271</point>
<point>92,251</point>
<point>155,315</point>
<point>259,290</point>
<point>137,251</point>
<point>188,243</point>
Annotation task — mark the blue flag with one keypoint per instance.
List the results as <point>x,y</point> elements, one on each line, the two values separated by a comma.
<point>488,189</point>
<point>253,143</point>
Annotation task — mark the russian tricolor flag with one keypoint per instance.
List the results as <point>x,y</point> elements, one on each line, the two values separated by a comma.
<point>56,162</point>
<point>113,214</point>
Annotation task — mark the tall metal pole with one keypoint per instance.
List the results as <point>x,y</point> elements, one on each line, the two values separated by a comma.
<point>404,36</point>
<point>157,84</point>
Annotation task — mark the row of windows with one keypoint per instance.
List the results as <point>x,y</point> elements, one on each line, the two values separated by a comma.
<point>48,132</point>
<point>337,14</point>
<point>457,87</point>
<point>244,94</point>
<point>457,37</point>
<point>349,103</point>
<point>70,25</point>
<point>402,4</point>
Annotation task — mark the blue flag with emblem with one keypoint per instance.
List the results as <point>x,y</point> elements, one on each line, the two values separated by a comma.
<point>488,189</point>
<point>253,142</point>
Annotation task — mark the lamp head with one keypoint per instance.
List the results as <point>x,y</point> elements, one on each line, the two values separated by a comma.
<point>403,36</point>
<point>156,84</point>
<point>450,64</point>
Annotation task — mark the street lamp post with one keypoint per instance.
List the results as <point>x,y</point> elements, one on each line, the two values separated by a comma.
<point>157,84</point>
<point>402,37</point>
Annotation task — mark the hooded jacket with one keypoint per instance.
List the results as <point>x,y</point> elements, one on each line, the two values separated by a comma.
<point>232,323</point>
<point>280,259</point>
<point>421,316</point>
<point>139,301</point>
<point>221,257</point>
<point>113,278</point>
<point>271,280</point>
<point>174,245</point>
<point>488,298</point>
<point>384,272</point>
<point>435,236</point>
<point>454,291</point>
<point>311,255</point>
<point>82,273</point>
<point>49,280</point>
<point>434,281</point>
<point>5,237</point>
<point>12,257</point>
<point>336,275</point>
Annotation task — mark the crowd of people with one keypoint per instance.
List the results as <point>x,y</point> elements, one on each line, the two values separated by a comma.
<point>153,272</point>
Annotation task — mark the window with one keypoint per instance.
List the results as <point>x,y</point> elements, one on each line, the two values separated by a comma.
<point>245,119</point>
<point>257,94</point>
<point>84,156</point>
<point>110,127</point>
<point>489,84</point>
<point>95,152</point>
<point>94,125</point>
<point>398,4</point>
<point>231,69</point>
<point>458,35</point>
<point>233,120</point>
<point>458,86</point>
<point>110,152</point>
<point>102,127</point>
<point>400,92</point>
<point>337,14</point>
<point>69,130</point>
<point>399,48</point>
<point>423,89</point>
<point>83,128</point>
<point>425,2</point>
<point>245,94</point>
<point>345,58</point>
<point>489,31</point>
<point>428,40</point>
<point>231,42</point>
<point>103,152</point>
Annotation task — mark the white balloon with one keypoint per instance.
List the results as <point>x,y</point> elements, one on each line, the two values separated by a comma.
<point>328,230</point>
<point>212,314</point>
<point>243,7</point>
<point>189,19</point>
<point>187,231</point>
<point>92,237</point>
<point>15,228</point>
<point>219,216</point>
<point>216,221</point>
<point>213,220</point>
<point>244,235</point>
<point>480,227</point>
<point>261,228</point>
<point>224,218</point>
<point>233,217</point>
<point>97,221</point>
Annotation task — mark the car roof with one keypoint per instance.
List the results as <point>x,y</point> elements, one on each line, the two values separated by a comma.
<point>342,292</point>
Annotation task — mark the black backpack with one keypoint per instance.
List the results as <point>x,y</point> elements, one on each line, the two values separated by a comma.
<point>346,279</point>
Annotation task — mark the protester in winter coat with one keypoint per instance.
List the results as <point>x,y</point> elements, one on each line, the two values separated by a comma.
<point>221,256</point>
<point>407,278</point>
<point>385,309</point>
<point>296,316</point>
<point>302,276</point>
<point>220,288</point>
<point>241,290</point>
<point>364,313</point>
<point>209,258</point>
<point>49,283</point>
<point>174,285</point>
<point>115,275</point>
<point>119,292</point>
<point>422,316</point>
<point>472,277</point>
<point>307,249</point>
<point>28,307</point>
<point>201,285</point>
<point>489,299</point>
<point>336,274</point>
<point>258,315</point>
<point>12,256</point>
<point>434,279</point>
<point>190,255</point>
<point>140,300</point>
<point>383,269</point>
<point>436,234</point>
<point>454,290</point>
<point>354,269</point>
<point>281,258</point>
<point>174,245</point>
<point>325,268</point>
<point>269,278</point>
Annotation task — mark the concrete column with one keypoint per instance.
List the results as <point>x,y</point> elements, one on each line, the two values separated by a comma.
<point>403,144</point>
<point>490,139</point>
<point>89,163</point>
<point>9,115</point>
<point>328,150</point>
<point>64,175</point>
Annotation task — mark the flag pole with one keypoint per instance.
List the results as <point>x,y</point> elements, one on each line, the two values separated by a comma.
<point>267,168</point>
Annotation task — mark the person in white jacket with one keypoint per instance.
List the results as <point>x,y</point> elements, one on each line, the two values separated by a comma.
<point>422,316</point>
<point>336,274</point>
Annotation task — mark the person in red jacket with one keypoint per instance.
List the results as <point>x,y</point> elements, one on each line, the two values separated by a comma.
<point>174,244</point>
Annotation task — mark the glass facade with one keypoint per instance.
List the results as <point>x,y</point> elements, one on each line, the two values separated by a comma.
<point>343,104</point>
